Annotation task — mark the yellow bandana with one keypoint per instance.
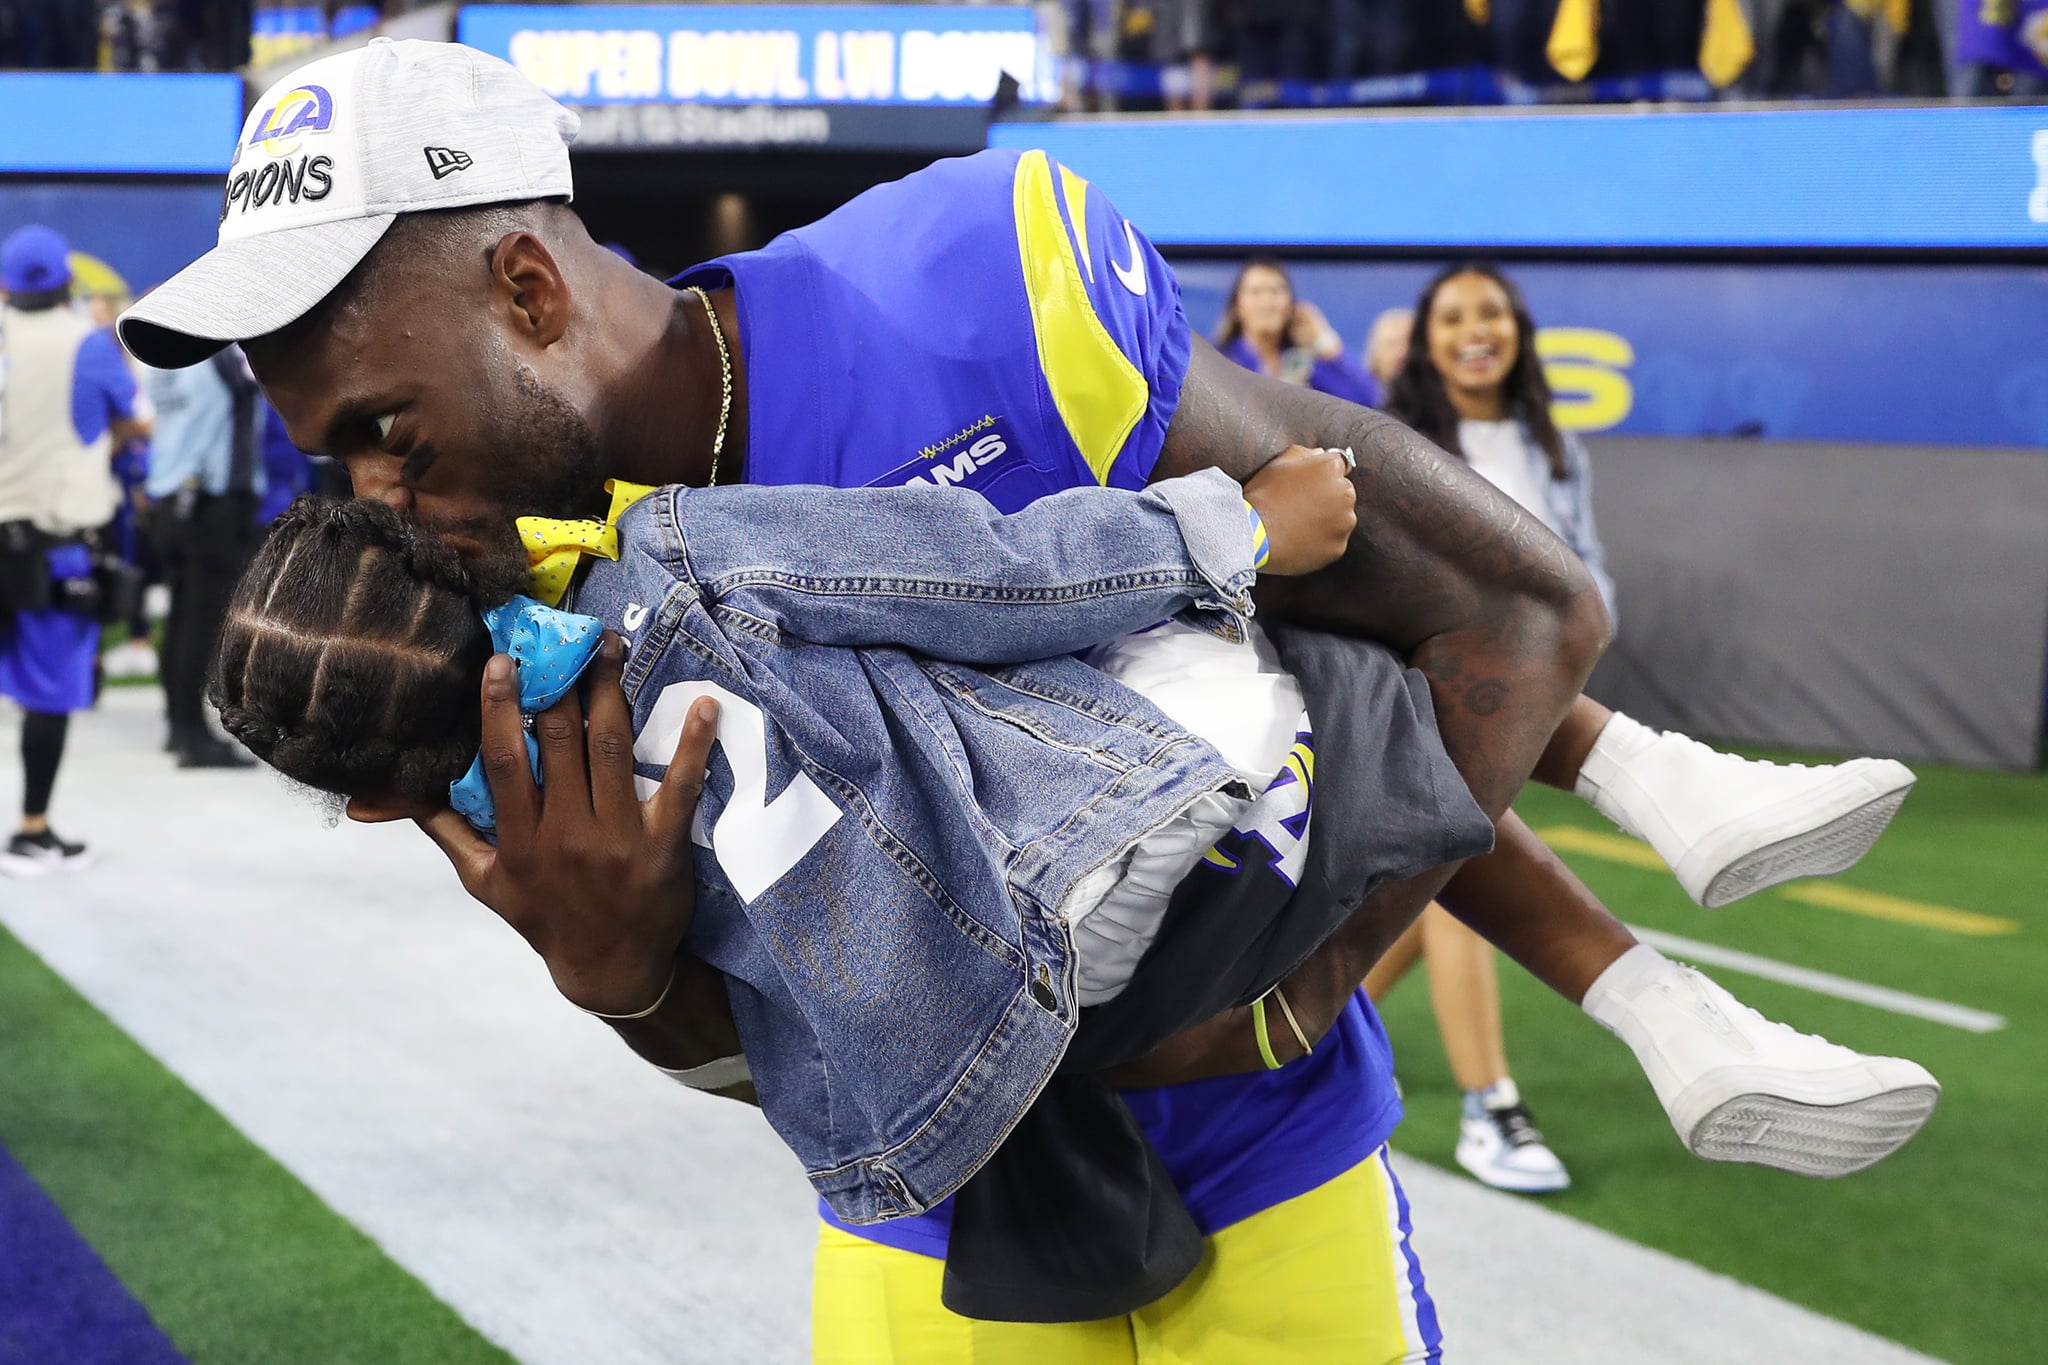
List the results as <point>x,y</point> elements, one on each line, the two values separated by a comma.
<point>555,547</point>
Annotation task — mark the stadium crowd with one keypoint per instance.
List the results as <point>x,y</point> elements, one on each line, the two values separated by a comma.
<point>1200,54</point>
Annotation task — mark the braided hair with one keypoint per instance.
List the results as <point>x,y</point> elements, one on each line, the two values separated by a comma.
<point>352,654</point>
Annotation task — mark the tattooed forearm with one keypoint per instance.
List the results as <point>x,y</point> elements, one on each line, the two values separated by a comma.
<point>1487,698</point>
<point>1500,616</point>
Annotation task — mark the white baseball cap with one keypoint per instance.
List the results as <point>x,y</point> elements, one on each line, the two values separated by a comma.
<point>327,160</point>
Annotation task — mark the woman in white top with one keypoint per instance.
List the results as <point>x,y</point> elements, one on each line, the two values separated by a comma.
<point>1474,385</point>
<point>1470,381</point>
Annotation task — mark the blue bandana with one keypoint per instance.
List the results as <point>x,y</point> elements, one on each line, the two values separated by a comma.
<point>549,649</point>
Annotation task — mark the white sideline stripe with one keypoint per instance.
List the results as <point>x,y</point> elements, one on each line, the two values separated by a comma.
<point>1824,983</point>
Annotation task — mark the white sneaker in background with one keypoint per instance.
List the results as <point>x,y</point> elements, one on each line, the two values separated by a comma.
<point>1739,1087</point>
<point>1498,1142</point>
<point>1728,825</point>
<point>130,659</point>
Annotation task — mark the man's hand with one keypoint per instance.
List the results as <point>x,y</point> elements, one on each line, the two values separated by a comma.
<point>599,883</point>
<point>1309,505</point>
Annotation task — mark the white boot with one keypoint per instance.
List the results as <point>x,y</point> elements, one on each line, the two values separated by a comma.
<point>1738,1087</point>
<point>1728,825</point>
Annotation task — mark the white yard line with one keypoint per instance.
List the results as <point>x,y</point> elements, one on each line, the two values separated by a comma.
<point>1824,983</point>
<point>336,997</point>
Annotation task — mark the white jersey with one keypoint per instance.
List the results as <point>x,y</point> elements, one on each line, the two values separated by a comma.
<point>1239,699</point>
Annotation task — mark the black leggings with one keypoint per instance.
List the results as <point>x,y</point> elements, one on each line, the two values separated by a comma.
<point>42,749</point>
<point>203,547</point>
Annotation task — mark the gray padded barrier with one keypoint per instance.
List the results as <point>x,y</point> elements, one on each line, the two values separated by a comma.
<point>1871,599</point>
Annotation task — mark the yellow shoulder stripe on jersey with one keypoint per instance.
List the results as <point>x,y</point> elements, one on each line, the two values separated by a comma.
<point>1099,393</point>
<point>1076,191</point>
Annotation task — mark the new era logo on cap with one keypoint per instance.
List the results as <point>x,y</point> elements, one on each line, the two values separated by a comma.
<point>446,161</point>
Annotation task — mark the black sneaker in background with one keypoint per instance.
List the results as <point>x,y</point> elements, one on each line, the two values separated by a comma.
<point>208,752</point>
<point>37,855</point>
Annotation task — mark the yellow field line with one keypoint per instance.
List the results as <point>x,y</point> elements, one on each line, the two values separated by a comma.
<point>1619,848</point>
<point>1877,905</point>
<point>1612,848</point>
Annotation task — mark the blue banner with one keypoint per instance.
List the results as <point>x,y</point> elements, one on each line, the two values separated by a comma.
<point>768,54</point>
<point>68,123</point>
<point>1940,355</point>
<point>144,233</point>
<point>1956,177</point>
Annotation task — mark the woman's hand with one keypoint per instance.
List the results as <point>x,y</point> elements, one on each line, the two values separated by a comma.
<point>1306,499</point>
<point>600,884</point>
<point>1311,331</point>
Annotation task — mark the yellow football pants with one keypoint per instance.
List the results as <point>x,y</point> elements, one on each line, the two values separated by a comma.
<point>1328,1278</point>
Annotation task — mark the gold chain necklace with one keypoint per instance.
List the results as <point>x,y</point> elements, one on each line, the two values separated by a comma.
<point>724,379</point>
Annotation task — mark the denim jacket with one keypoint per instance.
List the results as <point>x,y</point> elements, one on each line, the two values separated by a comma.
<point>890,848</point>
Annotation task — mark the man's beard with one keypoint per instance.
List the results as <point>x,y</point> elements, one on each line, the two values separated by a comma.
<point>547,466</point>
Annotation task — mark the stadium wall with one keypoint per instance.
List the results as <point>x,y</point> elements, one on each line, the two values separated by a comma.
<point>1819,486</point>
<point>1826,595</point>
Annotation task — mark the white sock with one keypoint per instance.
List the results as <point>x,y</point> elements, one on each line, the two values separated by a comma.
<point>1621,739</point>
<point>1612,992</point>
<point>1502,1094</point>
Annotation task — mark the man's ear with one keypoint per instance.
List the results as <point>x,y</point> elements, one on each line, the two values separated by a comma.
<point>381,810</point>
<point>528,284</point>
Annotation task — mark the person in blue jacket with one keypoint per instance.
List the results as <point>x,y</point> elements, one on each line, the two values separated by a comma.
<point>1267,328</point>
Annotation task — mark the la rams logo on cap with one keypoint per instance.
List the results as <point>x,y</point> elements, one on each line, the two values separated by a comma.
<point>307,109</point>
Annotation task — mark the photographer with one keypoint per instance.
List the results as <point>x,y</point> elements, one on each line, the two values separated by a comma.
<point>65,399</point>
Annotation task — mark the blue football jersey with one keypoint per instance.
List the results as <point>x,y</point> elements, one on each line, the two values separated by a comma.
<point>990,322</point>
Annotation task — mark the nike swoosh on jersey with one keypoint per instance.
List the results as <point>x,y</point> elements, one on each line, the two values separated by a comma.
<point>1133,276</point>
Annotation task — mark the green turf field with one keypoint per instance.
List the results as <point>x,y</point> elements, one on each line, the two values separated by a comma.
<point>235,1260</point>
<point>1945,1246</point>
<point>1942,1248</point>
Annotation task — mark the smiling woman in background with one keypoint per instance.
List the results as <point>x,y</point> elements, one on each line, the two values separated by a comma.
<point>1472,383</point>
<point>1266,328</point>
